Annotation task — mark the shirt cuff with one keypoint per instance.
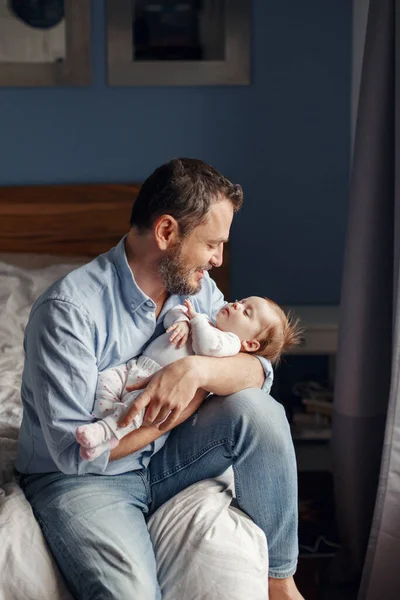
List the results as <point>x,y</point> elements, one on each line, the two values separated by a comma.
<point>269,373</point>
<point>97,466</point>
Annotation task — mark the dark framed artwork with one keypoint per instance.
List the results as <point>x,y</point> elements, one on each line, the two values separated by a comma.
<point>178,42</point>
<point>45,43</point>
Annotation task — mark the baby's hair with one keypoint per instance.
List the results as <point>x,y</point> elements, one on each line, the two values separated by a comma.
<point>280,335</point>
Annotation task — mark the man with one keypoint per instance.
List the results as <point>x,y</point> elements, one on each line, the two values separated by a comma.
<point>93,513</point>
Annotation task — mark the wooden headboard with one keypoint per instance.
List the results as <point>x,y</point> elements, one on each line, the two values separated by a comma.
<point>72,220</point>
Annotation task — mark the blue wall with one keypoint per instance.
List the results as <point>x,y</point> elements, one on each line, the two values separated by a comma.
<point>285,138</point>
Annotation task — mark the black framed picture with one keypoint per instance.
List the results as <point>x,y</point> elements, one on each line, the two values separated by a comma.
<point>178,42</point>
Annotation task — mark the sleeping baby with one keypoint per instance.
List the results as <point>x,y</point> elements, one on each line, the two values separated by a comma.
<point>255,325</point>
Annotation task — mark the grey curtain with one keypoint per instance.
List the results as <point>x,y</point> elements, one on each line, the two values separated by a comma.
<point>366,424</point>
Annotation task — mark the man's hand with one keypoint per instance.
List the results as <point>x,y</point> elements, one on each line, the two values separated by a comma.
<point>168,392</point>
<point>139,438</point>
<point>180,334</point>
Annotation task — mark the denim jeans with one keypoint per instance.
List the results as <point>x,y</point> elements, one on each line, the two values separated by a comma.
<point>96,527</point>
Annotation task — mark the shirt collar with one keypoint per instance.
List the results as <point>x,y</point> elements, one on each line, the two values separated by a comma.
<point>131,292</point>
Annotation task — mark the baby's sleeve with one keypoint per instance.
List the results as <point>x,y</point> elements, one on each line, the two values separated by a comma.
<point>178,313</point>
<point>210,341</point>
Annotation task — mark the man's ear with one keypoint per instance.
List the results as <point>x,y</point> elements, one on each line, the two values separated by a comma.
<point>250,346</point>
<point>166,232</point>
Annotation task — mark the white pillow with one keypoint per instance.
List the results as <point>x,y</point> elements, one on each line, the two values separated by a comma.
<point>28,570</point>
<point>206,549</point>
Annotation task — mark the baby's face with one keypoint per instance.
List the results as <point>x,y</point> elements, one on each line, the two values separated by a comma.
<point>246,318</point>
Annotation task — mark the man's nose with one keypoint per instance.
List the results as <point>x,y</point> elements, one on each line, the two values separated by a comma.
<point>218,257</point>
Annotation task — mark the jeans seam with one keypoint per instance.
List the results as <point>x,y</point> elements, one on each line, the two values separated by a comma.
<point>146,485</point>
<point>189,461</point>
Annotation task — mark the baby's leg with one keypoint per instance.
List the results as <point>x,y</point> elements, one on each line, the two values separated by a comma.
<point>94,434</point>
<point>120,408</point>
<point>107,429</point>
<point>110,384</point>
<point>137,370</point>
<point>92,453</point>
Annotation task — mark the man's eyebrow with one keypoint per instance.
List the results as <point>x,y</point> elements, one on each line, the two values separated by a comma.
<point>223,240</point>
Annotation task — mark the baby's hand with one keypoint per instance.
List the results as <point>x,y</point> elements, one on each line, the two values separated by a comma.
<point>191,312</point>
<point>180,334</point>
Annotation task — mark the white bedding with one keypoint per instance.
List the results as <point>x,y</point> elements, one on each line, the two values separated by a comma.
<point>205,548</point>
<point>18,289</point>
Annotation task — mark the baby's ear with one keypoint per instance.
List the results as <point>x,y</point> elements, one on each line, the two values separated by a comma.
<point>250,346</point>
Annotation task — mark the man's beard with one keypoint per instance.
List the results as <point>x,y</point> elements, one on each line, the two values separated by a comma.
<point>176,275</point>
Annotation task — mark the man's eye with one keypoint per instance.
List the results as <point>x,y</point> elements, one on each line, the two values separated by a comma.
<point>211,247</point>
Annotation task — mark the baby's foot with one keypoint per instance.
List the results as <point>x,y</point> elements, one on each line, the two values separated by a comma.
<point>92,453</point>
<point>90,436</point>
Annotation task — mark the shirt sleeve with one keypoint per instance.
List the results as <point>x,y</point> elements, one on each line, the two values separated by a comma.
<point>178,313</point>
<point>61,362</point>
<point>268,372</point>
<point>210,341</point>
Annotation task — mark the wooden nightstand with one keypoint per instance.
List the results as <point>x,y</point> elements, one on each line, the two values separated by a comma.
<point>321,329</point>
<point>321,324</point>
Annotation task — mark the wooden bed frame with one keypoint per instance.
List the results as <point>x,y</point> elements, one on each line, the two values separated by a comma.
<point>72,220</point>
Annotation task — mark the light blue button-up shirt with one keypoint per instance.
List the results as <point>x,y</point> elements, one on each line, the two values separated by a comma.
<point>93,319</point>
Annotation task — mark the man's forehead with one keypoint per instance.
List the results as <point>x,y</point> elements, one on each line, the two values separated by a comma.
<point>213,234</point>
<point>219,220</point>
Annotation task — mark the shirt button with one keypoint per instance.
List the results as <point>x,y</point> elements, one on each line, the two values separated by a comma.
<point>132,306</point>
<point>149,304</point>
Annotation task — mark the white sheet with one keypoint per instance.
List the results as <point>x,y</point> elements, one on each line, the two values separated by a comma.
<point>203,545</point>
<point>28,571</point>
<point>19,288</point>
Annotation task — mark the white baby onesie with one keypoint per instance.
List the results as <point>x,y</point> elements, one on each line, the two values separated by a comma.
<point>112,398</point>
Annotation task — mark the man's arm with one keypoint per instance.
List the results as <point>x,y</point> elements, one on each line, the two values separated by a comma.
<point>221,376</point>
<point>61,369</point>
<point>225,376</point>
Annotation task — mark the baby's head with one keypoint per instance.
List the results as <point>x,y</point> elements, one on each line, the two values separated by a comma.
<point>261,325</point>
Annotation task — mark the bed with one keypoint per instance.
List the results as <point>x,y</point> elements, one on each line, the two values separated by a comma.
<point>216,552</point>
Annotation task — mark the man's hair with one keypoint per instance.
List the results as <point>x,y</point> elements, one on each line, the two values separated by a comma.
<point>280,335</point>
<point>184,188</point>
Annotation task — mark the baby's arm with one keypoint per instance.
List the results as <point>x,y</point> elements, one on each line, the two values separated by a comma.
<point>175,315</point>
<point>208,340</point>
<point>177,322</point>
